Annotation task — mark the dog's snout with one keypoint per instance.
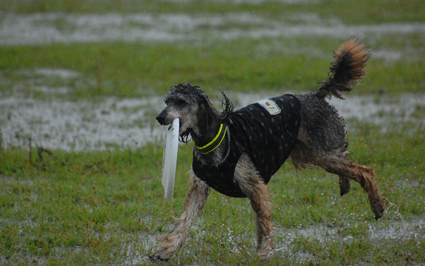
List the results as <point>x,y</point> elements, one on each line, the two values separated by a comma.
<point>161,118</point>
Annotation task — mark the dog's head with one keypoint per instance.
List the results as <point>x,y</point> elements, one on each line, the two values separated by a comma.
<point>192,106</point>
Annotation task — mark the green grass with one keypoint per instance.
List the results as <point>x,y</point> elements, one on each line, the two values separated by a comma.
<point>101,207</point>
<point>141,69</point>
<point>107,207</point>
<point>351,12</point>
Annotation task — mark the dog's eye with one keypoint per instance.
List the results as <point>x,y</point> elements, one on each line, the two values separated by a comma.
<point>180,102</point>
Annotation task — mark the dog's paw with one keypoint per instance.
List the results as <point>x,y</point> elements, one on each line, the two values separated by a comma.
<point>265,255</point>
<point>379,212</point>
<point>377,205</point>
<point>266,250</point>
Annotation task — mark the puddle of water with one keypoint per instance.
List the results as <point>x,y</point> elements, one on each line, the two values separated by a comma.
<point>377,232</point>
<point>44,80</point>
<point>51,73</point>
<point>400,230</point>
<point>136,252</point>
<point>113,122</point>
<point>79,125</point>
<point>45,28</point>
<point>50,90</point>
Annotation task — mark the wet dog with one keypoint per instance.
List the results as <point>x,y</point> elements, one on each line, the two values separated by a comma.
<point>237,152</point>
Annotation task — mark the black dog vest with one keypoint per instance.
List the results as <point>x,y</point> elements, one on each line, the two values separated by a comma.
<point>266,131</point>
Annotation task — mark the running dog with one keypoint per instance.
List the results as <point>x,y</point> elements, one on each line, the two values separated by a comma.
<point>237,152</point>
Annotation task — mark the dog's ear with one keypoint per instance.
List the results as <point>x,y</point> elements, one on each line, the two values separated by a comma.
<point>227,107</point>
<point>208,105</point>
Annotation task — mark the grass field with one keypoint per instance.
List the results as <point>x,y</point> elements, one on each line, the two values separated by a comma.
<point>78,207</point>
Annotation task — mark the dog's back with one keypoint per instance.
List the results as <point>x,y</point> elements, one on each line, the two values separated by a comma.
<point>322,128</point>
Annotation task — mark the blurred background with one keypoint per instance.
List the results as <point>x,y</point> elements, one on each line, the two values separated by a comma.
<point>91,74</point>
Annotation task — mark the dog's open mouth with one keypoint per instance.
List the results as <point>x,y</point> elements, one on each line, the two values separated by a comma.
<point>184,136</point>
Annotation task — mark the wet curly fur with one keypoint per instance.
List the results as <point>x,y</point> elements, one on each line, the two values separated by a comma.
<point>321,143</point>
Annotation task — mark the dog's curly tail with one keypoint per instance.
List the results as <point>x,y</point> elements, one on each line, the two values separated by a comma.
<point>346,69</point>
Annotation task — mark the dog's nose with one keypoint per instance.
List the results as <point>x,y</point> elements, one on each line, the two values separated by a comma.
<point>161,118</point>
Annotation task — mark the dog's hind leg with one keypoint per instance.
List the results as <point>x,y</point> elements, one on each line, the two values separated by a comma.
<point>195,202</point>
<point>361,174</point>
<point>337,162</point>
<point>253,186</point>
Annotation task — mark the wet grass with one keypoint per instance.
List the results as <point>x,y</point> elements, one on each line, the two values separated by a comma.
<point>105,207</point>
<point>142,69</point>
<point>350,12</point>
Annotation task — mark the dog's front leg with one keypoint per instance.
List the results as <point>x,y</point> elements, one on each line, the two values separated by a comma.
<point>195,202</point>
<point>252,185</point>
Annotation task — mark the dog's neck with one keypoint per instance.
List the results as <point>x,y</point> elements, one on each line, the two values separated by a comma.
<point>210,133</point>
<point>205,134</point>
<point>215,140</point>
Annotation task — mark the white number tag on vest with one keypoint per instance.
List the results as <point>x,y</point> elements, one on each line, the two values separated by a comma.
<point>270,106</point>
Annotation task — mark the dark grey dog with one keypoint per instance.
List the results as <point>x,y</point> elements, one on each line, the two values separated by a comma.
<point>237,152</point>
